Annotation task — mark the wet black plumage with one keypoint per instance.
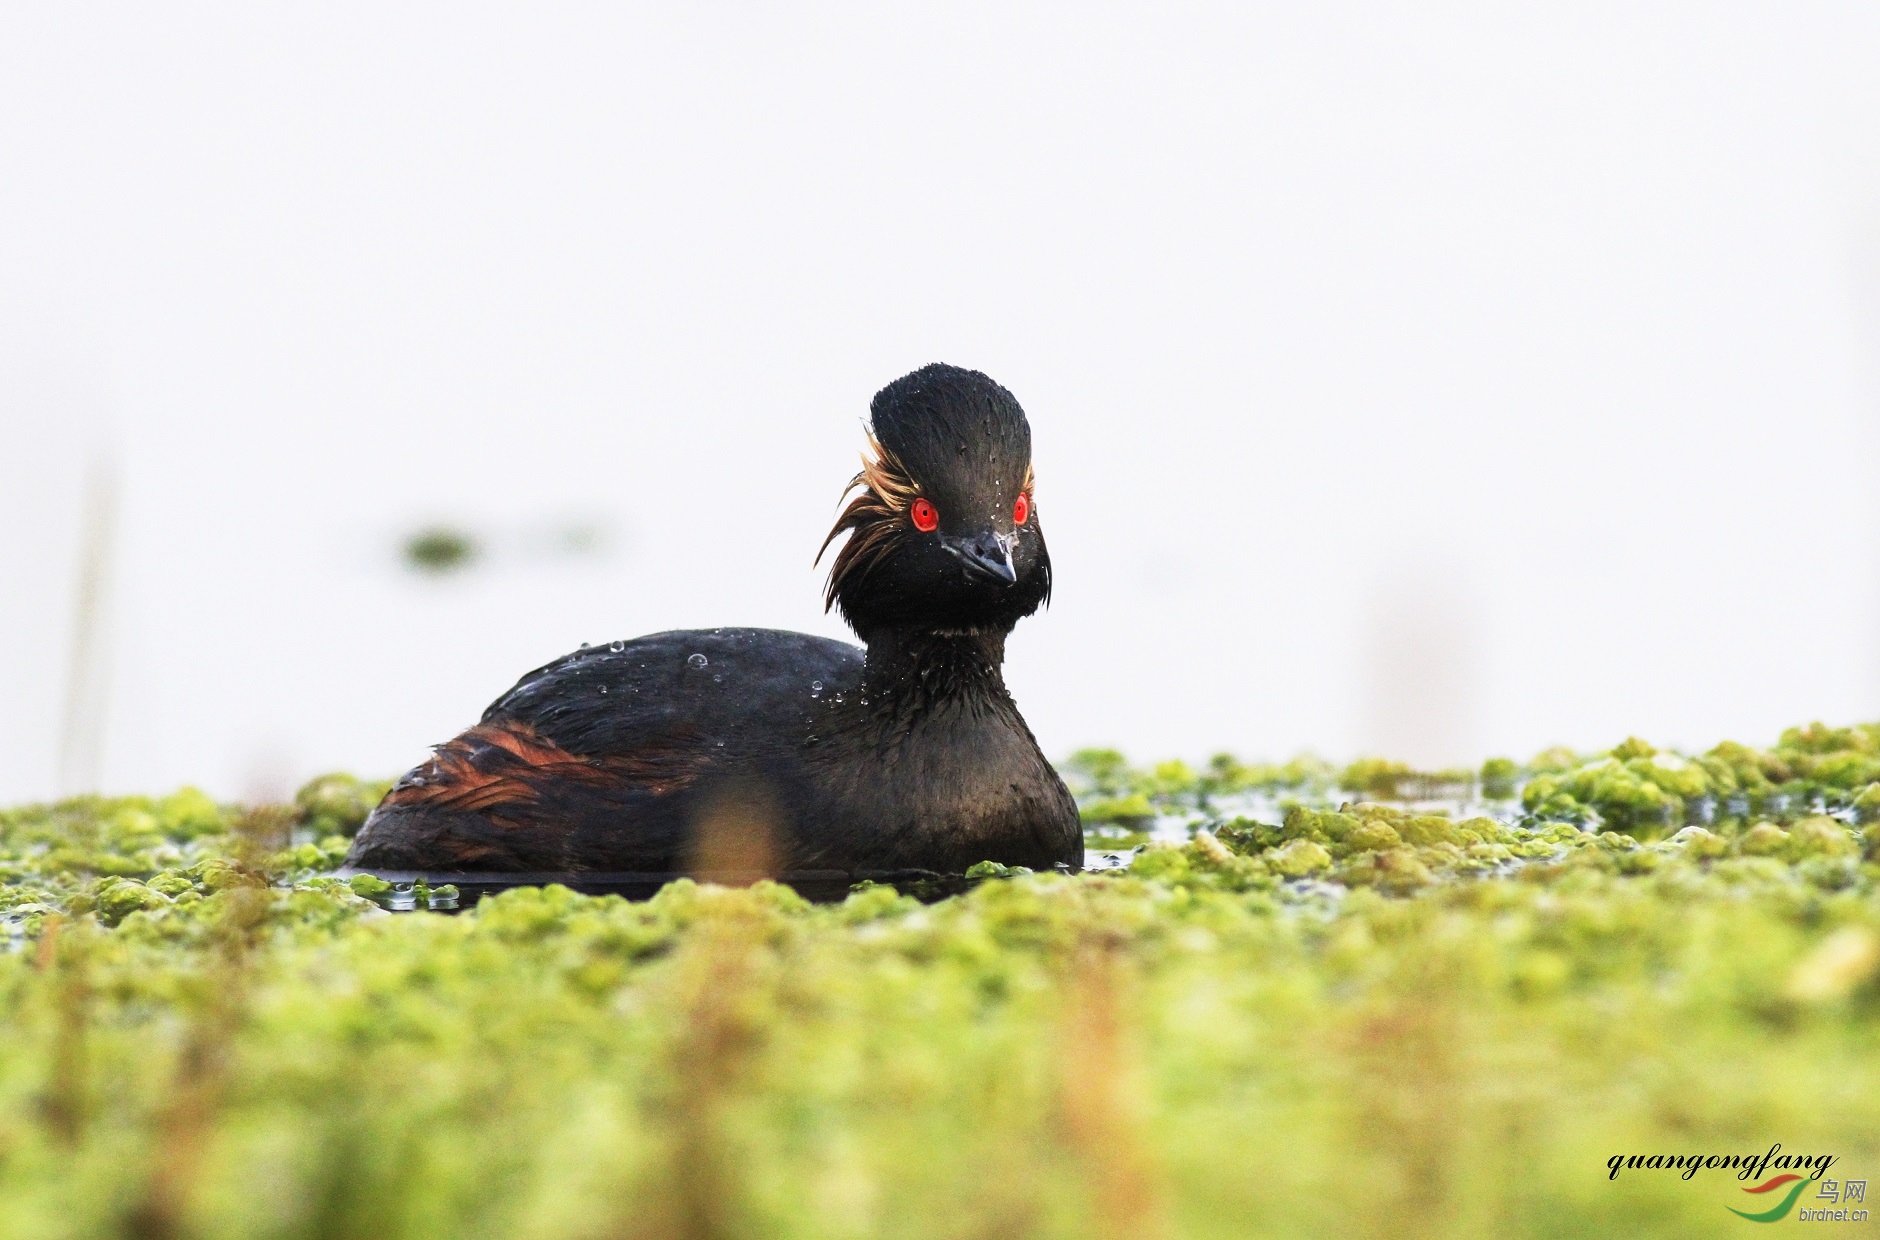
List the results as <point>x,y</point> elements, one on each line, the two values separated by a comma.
<point>782,751</point>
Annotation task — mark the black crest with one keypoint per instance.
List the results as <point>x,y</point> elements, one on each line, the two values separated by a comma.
<point>962,436</point>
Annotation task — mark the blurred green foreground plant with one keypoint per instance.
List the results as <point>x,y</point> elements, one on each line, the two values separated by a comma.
<point>1342,1018</point>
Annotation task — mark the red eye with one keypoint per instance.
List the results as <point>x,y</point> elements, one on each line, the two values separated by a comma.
<point>926,516</point>
<point>1021,509</point>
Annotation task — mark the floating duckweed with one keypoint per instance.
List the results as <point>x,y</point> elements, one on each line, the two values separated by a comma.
<point>1298,858</point>
<point>1295,991</point>
<point>369,886</point>
<point>992,869</point>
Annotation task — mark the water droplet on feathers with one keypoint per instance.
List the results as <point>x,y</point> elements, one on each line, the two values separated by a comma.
<point>697,660</point>
<point>718,680</point>
<point>616,647</point>
<point>603,688</point>
<point>815,686</point>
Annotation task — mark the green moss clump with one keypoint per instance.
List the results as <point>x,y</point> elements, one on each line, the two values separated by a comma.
<point>1553,761</point>
<point>1132,810</point>
<point>368,886</point>
<point>1377,777</point>
<point>1821,836</point>
<point>337,804</point>
<point>1298,858</point>
<point>1398,871</point>
<point>1501,779</point>
<point>188,814</point>
<point>118,898</point>
<point>1631,748</point>
<point>1700,844</point>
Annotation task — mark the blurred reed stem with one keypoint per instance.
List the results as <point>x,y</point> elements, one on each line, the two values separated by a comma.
<point>87,687</point>
<point>184,1125</point>
<point>718,1034</point>
<point>1100,1099</point>
<point>62,961</point>
<point>1409,1093</point>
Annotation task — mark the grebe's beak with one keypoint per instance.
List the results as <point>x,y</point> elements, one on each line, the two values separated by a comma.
<point>987,556</point>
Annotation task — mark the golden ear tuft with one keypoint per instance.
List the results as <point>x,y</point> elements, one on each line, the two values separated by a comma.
<point>883,473</point>
<point>872,519</point>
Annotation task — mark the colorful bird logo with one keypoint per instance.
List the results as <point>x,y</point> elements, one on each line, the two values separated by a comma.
<point>1781,1209</point>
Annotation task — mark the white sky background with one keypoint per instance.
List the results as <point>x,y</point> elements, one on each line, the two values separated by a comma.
<point>1440,380</point>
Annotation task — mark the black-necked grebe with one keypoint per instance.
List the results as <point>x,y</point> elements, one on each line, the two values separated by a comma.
<point>791,752</point>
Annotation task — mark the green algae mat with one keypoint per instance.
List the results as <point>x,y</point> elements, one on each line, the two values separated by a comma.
<point>1588,995</point>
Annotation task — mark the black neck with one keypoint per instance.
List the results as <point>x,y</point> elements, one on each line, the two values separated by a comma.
<point>916,669</point>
